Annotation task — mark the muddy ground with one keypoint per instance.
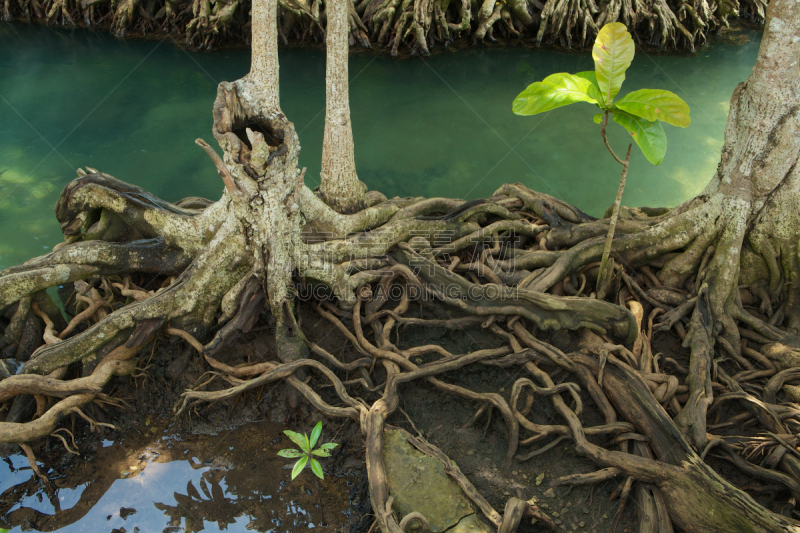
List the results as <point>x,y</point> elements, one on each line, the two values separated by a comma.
<point>217,467</point>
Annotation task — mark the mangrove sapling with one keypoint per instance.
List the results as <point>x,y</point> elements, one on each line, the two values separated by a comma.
<point>638,112</point>
<point>304,454</point>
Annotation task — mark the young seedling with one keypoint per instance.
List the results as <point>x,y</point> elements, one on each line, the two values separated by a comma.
<point>303,455</point>
<point>638,112</point>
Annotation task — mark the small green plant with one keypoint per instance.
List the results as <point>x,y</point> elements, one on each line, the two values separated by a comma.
<point>303,455</point>
<point>640,112</point>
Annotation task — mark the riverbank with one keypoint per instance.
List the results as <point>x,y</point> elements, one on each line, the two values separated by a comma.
<point>400,27</point>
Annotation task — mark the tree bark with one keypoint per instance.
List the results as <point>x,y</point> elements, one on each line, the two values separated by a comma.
<point>340,187</point>
<point>264,53</point>
<point>751,208</point>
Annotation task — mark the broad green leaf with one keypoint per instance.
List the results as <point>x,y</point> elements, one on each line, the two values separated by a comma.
<point>594,90</point>
<point>587,75</point>
<point>290,453</point>
<point>648,135</point>
<point>598,118</point>
<point>612,53</point>
<point>321,453</point>
<point>552,92</point>
<point>315,433</point>
<point>317,468</point>
<point>299,466</point>
<point>655,104</point>
<point>328,446</point>
<point>297,438</point>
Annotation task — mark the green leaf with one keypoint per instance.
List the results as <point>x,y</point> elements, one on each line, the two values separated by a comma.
<point>315,433</point>
<point>552,92</point>
<point>587,75</point>
<point>321,453</point>
<point>328,446</point>
<point>598,118</point>
<point>648,135</point>
<point>594,89</point>
<point>299,466</point>
<point>612,53</point>
<point>297,438</point>
<point>317,468</point>
<point>655,104</point>
<point>290,453</point>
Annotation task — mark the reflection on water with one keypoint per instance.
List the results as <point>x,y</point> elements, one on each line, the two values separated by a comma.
<point>230,482</point>
<point>439,127</point>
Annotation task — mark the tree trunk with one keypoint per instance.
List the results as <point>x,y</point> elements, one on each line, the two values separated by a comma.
<point>751,207</point>
<point>340,187</point>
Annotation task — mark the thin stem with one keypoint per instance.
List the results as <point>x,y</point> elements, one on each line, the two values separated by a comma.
<point>605,140</point>
<point>614,212</point>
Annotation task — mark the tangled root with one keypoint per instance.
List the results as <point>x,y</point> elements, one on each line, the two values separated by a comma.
<point>403,26</point>
<point>517,264</point>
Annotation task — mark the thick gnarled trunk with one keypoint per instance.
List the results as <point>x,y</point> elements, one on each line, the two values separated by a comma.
<point>755,226</point>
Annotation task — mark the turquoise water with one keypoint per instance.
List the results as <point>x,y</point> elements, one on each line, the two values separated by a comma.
<point>439,127</point>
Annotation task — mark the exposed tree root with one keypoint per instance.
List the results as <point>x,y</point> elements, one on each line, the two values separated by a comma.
<point>490,238</point>
<point>402,25</point>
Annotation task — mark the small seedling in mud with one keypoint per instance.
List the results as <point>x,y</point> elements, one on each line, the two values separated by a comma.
<point>306,450</point>
<point>638,112</point>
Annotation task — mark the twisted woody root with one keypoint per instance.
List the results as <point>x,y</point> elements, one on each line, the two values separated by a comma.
<point>522,251</point>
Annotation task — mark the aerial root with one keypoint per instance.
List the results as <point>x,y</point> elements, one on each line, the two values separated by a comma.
<point>93,424</point>
<point>414,26</point>
<point>74,450</point>
<point>32,461</point>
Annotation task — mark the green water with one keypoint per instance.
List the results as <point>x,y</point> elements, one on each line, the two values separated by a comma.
<point>439,127</point>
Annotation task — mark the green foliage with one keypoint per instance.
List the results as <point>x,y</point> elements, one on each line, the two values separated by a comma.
<point>638,112</point>
<point>555,91</point>
<point>655,104</point>
<point>612,53</point>
<point>303,455</point>
<point>648,135</point>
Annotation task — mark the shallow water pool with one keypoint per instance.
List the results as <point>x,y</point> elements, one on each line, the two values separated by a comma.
<point>231,480</point>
